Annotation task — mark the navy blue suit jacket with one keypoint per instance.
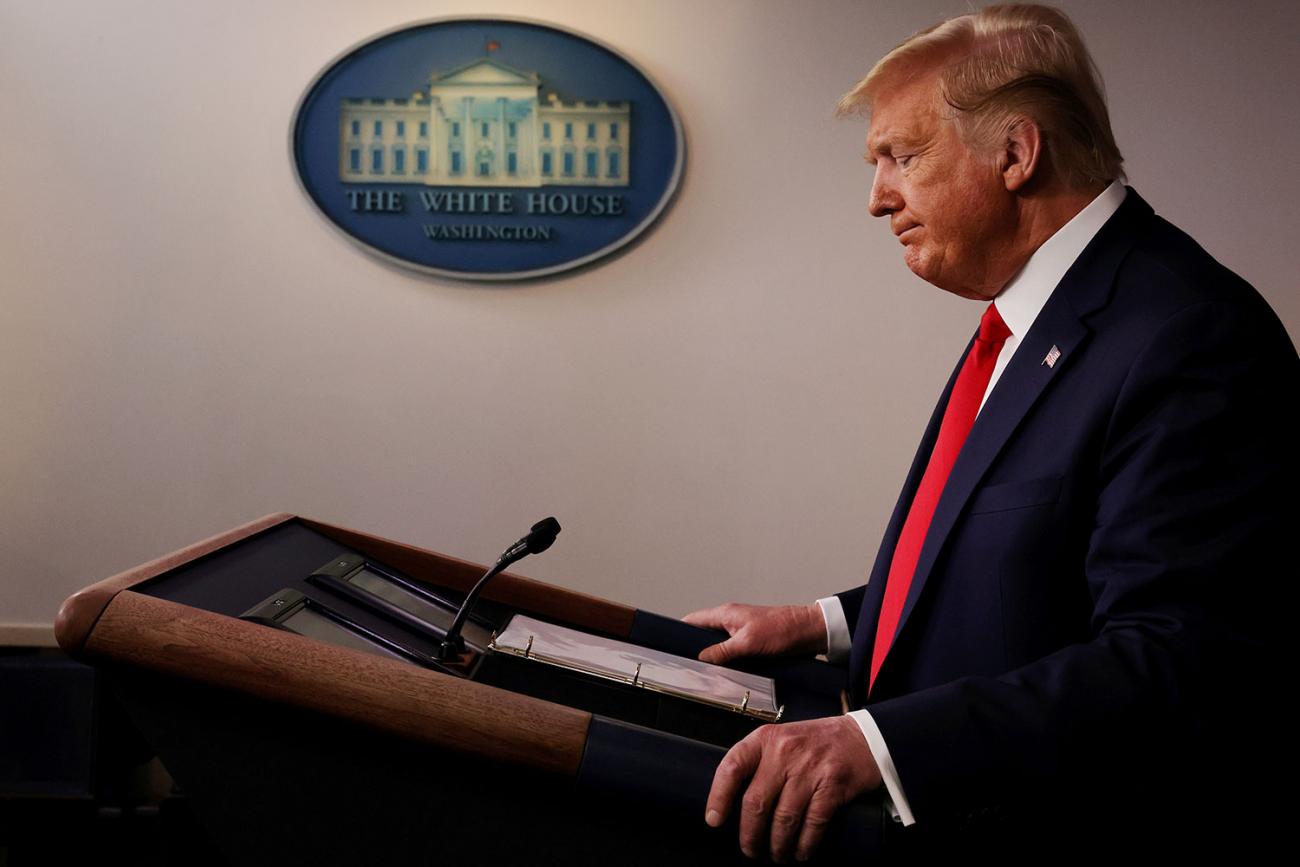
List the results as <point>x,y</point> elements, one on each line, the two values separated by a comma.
<point>1098,599</point>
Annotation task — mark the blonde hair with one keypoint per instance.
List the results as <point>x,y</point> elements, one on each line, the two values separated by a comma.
<point>1007,61</point>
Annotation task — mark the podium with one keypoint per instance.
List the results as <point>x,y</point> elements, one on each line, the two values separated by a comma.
<point>294,749</point>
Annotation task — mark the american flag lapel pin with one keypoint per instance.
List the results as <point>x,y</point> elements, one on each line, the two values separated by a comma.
<point>1052,355</point>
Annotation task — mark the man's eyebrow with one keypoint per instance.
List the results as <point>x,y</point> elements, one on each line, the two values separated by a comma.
<point>887,142</point>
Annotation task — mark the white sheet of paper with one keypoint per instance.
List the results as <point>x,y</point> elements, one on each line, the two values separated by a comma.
<point>620,659</point>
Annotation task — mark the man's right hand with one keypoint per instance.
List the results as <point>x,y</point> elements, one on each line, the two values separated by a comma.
<point>762,630</point>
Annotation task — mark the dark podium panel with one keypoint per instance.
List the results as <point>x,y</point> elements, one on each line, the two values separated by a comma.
<point>297,750</point>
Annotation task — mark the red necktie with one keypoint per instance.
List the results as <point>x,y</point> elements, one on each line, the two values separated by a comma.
<point>963,405</point>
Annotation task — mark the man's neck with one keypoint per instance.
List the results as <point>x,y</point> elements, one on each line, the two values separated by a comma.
<point>1042,215</point>
<point>1028,290</point>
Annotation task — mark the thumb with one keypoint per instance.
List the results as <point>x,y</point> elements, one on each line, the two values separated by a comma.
<point>720,653</point>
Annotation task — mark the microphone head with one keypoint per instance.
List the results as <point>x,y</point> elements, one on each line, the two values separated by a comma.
<point>548,525</point>
<point>543,534</point>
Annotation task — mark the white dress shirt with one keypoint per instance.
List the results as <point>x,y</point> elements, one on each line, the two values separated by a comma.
<point>1018,303</point>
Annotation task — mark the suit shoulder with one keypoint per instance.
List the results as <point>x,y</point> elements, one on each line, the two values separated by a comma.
<point>1166,272</point>
<point>1179,270</point>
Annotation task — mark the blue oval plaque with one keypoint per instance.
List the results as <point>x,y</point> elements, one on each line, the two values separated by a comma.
<point>487,149</point>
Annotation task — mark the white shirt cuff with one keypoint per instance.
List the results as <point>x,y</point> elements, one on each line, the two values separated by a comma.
<point>896,801</point>
<point>838,643</point>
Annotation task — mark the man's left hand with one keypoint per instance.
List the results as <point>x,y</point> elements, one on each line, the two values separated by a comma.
<point>799,774</point>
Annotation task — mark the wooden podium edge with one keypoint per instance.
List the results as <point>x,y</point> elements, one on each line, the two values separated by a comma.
<point>80,611</point>
<point>276,665</point>
<point>83,609</point>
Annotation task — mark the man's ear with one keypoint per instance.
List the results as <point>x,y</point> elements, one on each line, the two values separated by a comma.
<point>1022,148</point>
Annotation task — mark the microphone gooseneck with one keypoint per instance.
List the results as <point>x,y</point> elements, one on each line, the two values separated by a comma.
<point>539,538</point>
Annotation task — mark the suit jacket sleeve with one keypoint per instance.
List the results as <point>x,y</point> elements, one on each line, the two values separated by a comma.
<point>1184,569</point>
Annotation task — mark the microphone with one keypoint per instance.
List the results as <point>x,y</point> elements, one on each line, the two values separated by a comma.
<point>539,538</point>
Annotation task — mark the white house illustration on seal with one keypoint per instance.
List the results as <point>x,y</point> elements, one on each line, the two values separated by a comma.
<point>485,124</point>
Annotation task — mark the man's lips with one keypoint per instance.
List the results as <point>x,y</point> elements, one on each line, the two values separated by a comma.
<point>902,236</point>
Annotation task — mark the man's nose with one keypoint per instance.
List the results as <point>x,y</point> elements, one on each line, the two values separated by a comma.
<point>884,196</point>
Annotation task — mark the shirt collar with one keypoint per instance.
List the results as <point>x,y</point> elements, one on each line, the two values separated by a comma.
<point>1025,294</point>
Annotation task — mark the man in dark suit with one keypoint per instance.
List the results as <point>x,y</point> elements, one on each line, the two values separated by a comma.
<point>1073,624</point>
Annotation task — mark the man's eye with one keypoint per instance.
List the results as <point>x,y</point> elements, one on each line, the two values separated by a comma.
<point>903,160</point>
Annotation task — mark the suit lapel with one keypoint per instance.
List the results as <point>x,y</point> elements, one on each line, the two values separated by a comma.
<point>1019,388</point>
<point>1060,330</point>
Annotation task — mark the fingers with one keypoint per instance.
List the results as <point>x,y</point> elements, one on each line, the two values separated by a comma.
<point>788,818</point>
<point>734,771</point>
<point>772,804</point>
<point>821,807</point>
<point>756,810</point>
<point>709,618</point>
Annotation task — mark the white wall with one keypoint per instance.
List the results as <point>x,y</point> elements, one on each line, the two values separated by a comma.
<point>726,410</point>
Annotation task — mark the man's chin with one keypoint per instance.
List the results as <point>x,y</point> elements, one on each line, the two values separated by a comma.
<point>921,268</point>
<point>917,265</point>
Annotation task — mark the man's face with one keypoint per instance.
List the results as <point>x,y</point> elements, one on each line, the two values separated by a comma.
<point>947,204</point>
